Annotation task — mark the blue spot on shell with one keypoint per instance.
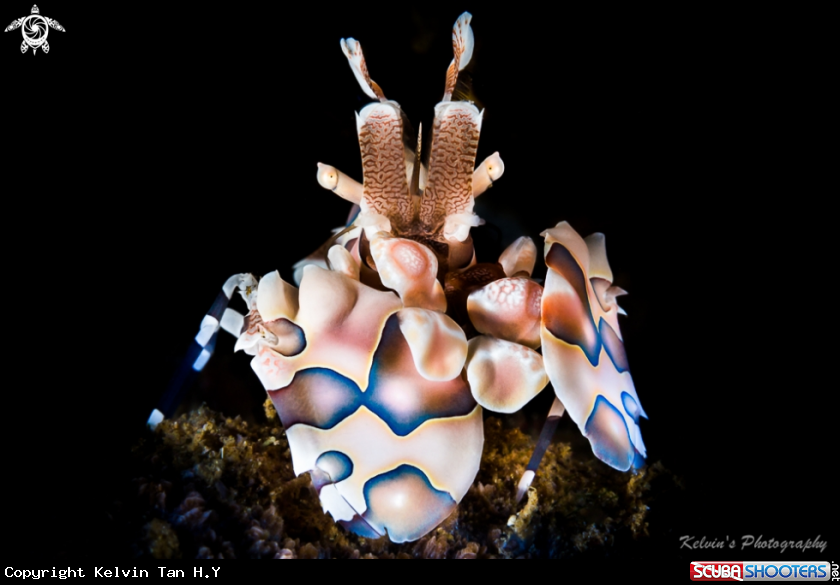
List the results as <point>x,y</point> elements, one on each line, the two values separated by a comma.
<point>568,317</point>
<point>317,397</point>
<point>396,392</point>
<point>404,504</point>
<point>614,346</point>
<point>607,431</point>
<point>292,335</point>
<point>630,406</point>
<point>336,464</point>
<point>401,397</point>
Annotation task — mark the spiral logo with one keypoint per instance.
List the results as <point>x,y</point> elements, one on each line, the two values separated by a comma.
<point>35,30</point>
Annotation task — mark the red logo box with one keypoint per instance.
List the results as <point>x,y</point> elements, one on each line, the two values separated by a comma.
<point>717,571</point>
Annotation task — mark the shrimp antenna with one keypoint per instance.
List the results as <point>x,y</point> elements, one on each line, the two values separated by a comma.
<point>463,43</point>
<point>353,51</point>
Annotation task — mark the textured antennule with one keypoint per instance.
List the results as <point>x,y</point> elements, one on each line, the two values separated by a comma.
<point>463,43</point>
<point>449,191</point>
<point>332,179</point>
<point>381,142</point>
<point>487,173</point>
<point>353,51</point>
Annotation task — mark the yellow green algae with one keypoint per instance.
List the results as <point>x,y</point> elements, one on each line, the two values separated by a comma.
<point>216,487</point>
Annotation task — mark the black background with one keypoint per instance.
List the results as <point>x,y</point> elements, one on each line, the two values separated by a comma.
<point>157,150</point>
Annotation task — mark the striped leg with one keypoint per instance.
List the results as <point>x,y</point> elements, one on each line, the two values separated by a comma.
<point>219,316</point>
<point>554,416</point>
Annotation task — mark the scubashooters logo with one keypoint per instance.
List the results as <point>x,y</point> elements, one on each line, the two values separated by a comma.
<point>35,29</point>
<point>762,571</point>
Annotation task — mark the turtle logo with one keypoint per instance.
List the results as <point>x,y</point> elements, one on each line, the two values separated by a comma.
<point>35,29</point>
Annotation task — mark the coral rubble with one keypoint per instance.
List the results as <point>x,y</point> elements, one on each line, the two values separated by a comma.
<point>207,486</point>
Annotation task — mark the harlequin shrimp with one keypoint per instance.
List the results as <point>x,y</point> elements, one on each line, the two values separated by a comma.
<point>395,337</point>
